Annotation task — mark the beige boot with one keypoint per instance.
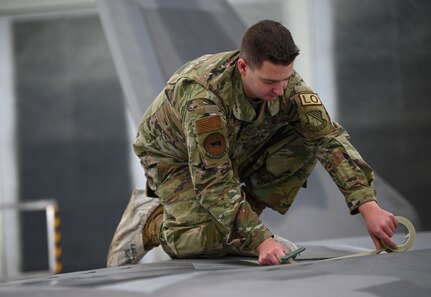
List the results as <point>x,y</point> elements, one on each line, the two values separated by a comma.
<point>127,246</point>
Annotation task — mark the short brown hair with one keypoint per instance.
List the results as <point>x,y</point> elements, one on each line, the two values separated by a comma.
<point>268,41</point>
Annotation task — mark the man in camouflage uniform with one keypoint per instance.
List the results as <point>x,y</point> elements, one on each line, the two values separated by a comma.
<point>231,134</point>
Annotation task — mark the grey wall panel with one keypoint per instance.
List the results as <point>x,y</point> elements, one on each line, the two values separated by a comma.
<point>383,56</point>
<point>72,137</point>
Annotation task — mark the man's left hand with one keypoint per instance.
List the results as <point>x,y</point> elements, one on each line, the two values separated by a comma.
<point>381,224</point>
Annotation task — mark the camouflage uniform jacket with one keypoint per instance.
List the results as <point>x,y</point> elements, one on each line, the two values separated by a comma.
<point>203,104</point>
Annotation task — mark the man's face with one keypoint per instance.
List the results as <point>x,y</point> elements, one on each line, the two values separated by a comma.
<point>267,82</point>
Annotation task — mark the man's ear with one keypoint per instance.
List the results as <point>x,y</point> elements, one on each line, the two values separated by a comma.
<point>242,66</point>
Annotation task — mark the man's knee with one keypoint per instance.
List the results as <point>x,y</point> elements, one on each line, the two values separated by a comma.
<point>199,240</point>
<point>187,229</point>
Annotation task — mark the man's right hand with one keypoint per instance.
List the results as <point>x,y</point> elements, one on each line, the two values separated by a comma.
<point>271,251</point>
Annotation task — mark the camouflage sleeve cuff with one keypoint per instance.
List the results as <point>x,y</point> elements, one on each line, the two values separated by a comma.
<point>359,197</point>
<point>257,235</point>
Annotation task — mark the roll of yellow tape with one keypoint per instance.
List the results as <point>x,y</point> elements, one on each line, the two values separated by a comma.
<point>410,236</point>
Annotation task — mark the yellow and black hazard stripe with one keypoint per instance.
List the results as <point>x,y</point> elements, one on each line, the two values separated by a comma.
<point>57,240</point>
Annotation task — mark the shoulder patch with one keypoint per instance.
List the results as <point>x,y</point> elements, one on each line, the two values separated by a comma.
<point>208,124</point>
<point>308,99</point>
<point>315,120</point>
<point>215,145</point>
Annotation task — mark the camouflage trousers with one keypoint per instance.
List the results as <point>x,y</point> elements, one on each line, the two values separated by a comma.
<point>272,176</point>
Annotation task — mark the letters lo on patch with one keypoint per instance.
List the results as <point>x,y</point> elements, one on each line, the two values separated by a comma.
<point>310,99</point>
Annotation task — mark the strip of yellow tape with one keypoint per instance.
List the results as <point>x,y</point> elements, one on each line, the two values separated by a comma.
<point>410,237</point>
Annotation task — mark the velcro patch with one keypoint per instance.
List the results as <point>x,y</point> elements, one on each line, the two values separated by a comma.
<point>208,124</point>
<point>315,120</point>
<point>309,99</point>
<point>215,145</point>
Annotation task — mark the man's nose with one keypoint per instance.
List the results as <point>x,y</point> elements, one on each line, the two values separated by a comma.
<point>279,89</point>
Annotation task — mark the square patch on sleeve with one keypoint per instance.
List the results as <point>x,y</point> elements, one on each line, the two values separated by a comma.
<point>309,99</point>
<point>208,124</point>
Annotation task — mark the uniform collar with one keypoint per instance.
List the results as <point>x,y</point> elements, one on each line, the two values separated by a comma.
<point>274,106</point>
<point>242,108</point>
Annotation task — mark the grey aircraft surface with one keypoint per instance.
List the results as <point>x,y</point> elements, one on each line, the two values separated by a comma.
<point>316,273</point>
<point>148,41</point>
